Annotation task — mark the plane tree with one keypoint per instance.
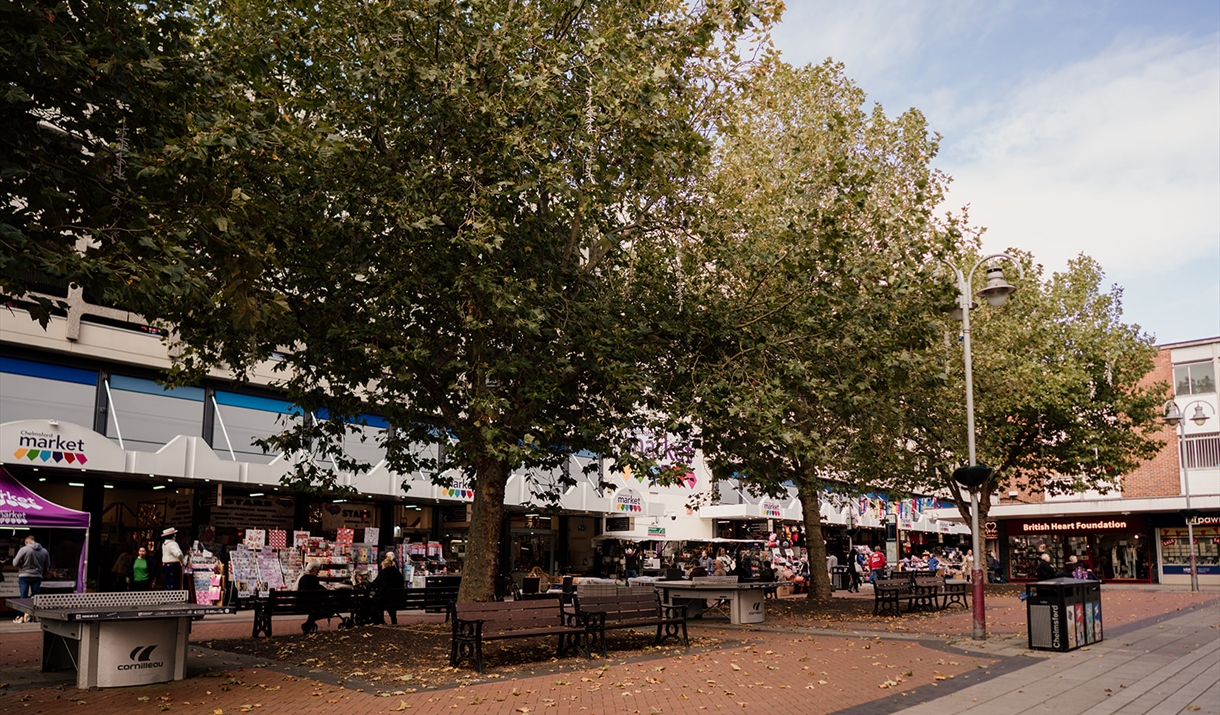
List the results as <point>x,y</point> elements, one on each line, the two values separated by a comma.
<point>456,215</point>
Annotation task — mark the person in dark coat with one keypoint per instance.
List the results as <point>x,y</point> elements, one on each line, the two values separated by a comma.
<point>388,580</point>
<point>309,581</point>
<point>1043,570</point>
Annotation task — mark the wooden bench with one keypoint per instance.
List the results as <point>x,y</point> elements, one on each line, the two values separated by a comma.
<point>628,610</point>
<point>474,623</point>
<point>319,604</point>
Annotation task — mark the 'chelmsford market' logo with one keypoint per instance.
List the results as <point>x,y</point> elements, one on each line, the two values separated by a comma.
<point>459,489</point>
<point>771,510</point>
<point>46,447</point>
<point>628,500</point>
<point>141,659</point>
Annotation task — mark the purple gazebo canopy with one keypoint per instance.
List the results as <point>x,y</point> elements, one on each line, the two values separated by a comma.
<point>21,507</point>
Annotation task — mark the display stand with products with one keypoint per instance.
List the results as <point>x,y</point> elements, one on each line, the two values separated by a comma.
<point>243,571</point>
<point>208,582</point>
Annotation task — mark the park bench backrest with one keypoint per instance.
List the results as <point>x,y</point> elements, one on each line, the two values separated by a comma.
<point>285,600</point>
<point>500,616</point>
<point>116,599</point>
<point>627,607</point>
<point>892,583</point>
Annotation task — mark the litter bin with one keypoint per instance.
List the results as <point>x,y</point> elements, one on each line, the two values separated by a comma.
<point>840,579</point>
<point>1063,613</point>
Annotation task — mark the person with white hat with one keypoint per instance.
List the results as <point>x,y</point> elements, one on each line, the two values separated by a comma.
<point>171,560</point>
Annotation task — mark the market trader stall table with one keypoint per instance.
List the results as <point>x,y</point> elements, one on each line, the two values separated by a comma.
<point>745,599</point>
<point>116,639</point>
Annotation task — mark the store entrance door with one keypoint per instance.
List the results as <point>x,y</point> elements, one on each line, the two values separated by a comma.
<point>533,548</point>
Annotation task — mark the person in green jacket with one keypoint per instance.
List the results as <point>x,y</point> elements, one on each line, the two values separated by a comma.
<point>141,575</point>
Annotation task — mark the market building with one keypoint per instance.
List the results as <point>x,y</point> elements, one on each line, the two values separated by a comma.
<point>85,424</point>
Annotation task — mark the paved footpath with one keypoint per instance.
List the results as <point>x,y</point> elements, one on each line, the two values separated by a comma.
<point>783,667</point>
<point>1169,667</point>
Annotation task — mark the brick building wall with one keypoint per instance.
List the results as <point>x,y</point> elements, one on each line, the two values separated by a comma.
<point>1159,476</point>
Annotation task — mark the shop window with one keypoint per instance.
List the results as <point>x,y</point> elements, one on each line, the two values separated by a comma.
<point>1121,556</point>
<point>1194,379</point>
<point>39,391</point>
<point>148,415</point>
<point>1025,551</point>
<point>1175,549</point>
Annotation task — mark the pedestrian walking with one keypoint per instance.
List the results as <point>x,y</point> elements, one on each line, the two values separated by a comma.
<point>32,562</point>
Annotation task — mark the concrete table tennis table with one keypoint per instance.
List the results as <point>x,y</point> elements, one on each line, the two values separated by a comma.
<point>116,639</point>
<point>745,599</point>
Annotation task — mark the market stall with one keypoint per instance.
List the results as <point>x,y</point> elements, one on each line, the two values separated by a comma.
<point>62,531</point>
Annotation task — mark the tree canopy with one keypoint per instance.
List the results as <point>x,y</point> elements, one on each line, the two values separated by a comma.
<point>818,216</point>
<point>92,94</point>
<point>1059,403</point>
<point>456,215</point>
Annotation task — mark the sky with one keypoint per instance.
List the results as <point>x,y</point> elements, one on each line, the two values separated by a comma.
<point>1068,127</point>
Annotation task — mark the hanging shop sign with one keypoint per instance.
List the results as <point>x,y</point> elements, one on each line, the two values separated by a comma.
<point>991,530</point>
<point>656,531</point>
<point>627,500</point>
<point>618,524</point>
<point>346,516</point>
<point>1076,525</point>
<point>772,509</point>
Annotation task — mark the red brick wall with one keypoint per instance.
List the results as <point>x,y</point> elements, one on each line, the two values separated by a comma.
<point>1159,476</point>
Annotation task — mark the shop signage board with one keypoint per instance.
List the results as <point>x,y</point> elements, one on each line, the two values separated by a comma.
<point>1076,525</point>
<point>47,443</point>
<point>241,512</point>
<point>460,488</point>
<point>772,509</point>
<point>657,531</point>
<point>627,501</point>
<point>346,516</point>
<point>617,524</point>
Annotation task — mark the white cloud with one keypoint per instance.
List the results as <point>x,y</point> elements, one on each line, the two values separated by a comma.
<point>1117,156</point>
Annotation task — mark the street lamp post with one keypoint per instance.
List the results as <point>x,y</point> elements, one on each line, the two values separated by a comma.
<point>1173,417</point>
<point>996,292</point>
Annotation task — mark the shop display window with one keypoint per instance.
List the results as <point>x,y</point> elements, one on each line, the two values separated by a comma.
<point>1024,552</point>
<point>1121,556</point>
<point>1175,549</point>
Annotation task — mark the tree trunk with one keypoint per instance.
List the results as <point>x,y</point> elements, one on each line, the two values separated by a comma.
<point>810,492</point>
<point>481,568</point>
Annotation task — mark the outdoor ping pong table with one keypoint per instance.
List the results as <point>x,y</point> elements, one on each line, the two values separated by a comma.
<point>116,639</point>
<point>745,599</point>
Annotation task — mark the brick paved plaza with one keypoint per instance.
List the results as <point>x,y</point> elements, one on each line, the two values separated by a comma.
<point>784,666</point>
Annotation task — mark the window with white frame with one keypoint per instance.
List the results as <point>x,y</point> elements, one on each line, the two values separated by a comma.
<point>1201,451</point>
<point>1194,379</point>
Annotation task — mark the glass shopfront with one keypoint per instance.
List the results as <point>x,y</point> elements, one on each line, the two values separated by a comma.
<point>1174,546</point>
<point>1117,548</point>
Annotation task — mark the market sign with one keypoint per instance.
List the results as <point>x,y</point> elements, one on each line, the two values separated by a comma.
<point>47,443</point>
<point>459,488</point>
<point>627,500</point>
<point>772,509</point>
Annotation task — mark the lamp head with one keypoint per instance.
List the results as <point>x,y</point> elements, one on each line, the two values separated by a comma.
<point>1199,417</point>
<point>997,290</point>
<point>1172,415</point>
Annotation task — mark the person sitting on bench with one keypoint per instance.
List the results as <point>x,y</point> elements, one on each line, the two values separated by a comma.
<point>309,582</point>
